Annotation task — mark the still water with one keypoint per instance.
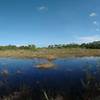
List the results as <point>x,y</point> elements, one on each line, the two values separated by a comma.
<point>64,77</point>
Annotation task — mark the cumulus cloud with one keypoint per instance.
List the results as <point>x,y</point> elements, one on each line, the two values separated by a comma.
<point>87,39</point>
<point>95,22</point>
<point>42,8</point>
<point>93,14</point>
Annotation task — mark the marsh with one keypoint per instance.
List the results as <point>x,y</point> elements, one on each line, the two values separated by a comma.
<point>67,79</point>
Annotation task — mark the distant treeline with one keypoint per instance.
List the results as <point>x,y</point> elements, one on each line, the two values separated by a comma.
<point>92,45</point>
<point>13,47</point>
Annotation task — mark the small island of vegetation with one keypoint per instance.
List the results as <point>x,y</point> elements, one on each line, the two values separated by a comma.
<point>46,65</point>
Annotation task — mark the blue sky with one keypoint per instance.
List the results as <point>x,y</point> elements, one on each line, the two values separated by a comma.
<point>44,22</point>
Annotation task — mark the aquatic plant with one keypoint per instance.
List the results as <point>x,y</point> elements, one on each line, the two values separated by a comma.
<point>4,73</point>
<point>90,84</point>
<point>45,95</point>
<point>46,65</point>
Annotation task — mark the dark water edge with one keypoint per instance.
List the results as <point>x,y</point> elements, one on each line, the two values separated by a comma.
<point>71,78</point>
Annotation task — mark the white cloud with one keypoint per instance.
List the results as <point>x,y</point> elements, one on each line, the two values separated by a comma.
<point>42,8</point>
<point>98,30</point>
<point>95,22</point>
<point>87,39</point>
<point>93,14</point>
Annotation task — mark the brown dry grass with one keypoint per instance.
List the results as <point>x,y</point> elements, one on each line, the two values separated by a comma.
<point>45,65</point>
<point>50,54</point>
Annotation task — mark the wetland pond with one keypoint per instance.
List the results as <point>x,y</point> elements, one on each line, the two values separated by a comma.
<point>65,80</point>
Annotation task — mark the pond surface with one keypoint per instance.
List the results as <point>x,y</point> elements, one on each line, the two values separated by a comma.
<point>64,77</point>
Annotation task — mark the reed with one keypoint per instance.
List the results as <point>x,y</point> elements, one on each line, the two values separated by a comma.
<point>50,54</point>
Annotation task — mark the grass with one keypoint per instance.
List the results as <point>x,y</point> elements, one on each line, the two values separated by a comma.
<point>46,65</point>
<point>50,54</point>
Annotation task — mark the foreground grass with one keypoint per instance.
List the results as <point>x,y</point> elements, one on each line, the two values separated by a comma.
<point>50,54</point>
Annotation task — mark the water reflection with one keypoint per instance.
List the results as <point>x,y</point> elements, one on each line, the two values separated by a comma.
<point>72,78</point>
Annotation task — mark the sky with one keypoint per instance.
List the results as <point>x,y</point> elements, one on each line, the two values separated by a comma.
<point>44,22</point>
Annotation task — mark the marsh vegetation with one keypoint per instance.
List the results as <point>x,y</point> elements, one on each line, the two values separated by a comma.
<point>52,51</point>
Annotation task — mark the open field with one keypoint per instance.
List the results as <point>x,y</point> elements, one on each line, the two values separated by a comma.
<point>50,54</point>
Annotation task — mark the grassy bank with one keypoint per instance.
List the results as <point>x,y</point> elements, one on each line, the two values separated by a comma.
<point>50,53</point>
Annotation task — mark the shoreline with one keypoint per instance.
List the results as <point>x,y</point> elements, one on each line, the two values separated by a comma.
<point>51,54</point>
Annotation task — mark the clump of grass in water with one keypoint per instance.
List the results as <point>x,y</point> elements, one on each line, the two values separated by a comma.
<point>45,65</point>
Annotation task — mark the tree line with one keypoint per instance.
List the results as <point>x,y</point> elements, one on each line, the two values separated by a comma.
<point>91,45</point>
<point>14,47</point>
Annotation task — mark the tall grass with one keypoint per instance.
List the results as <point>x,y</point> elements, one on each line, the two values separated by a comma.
<point>50,54</point>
